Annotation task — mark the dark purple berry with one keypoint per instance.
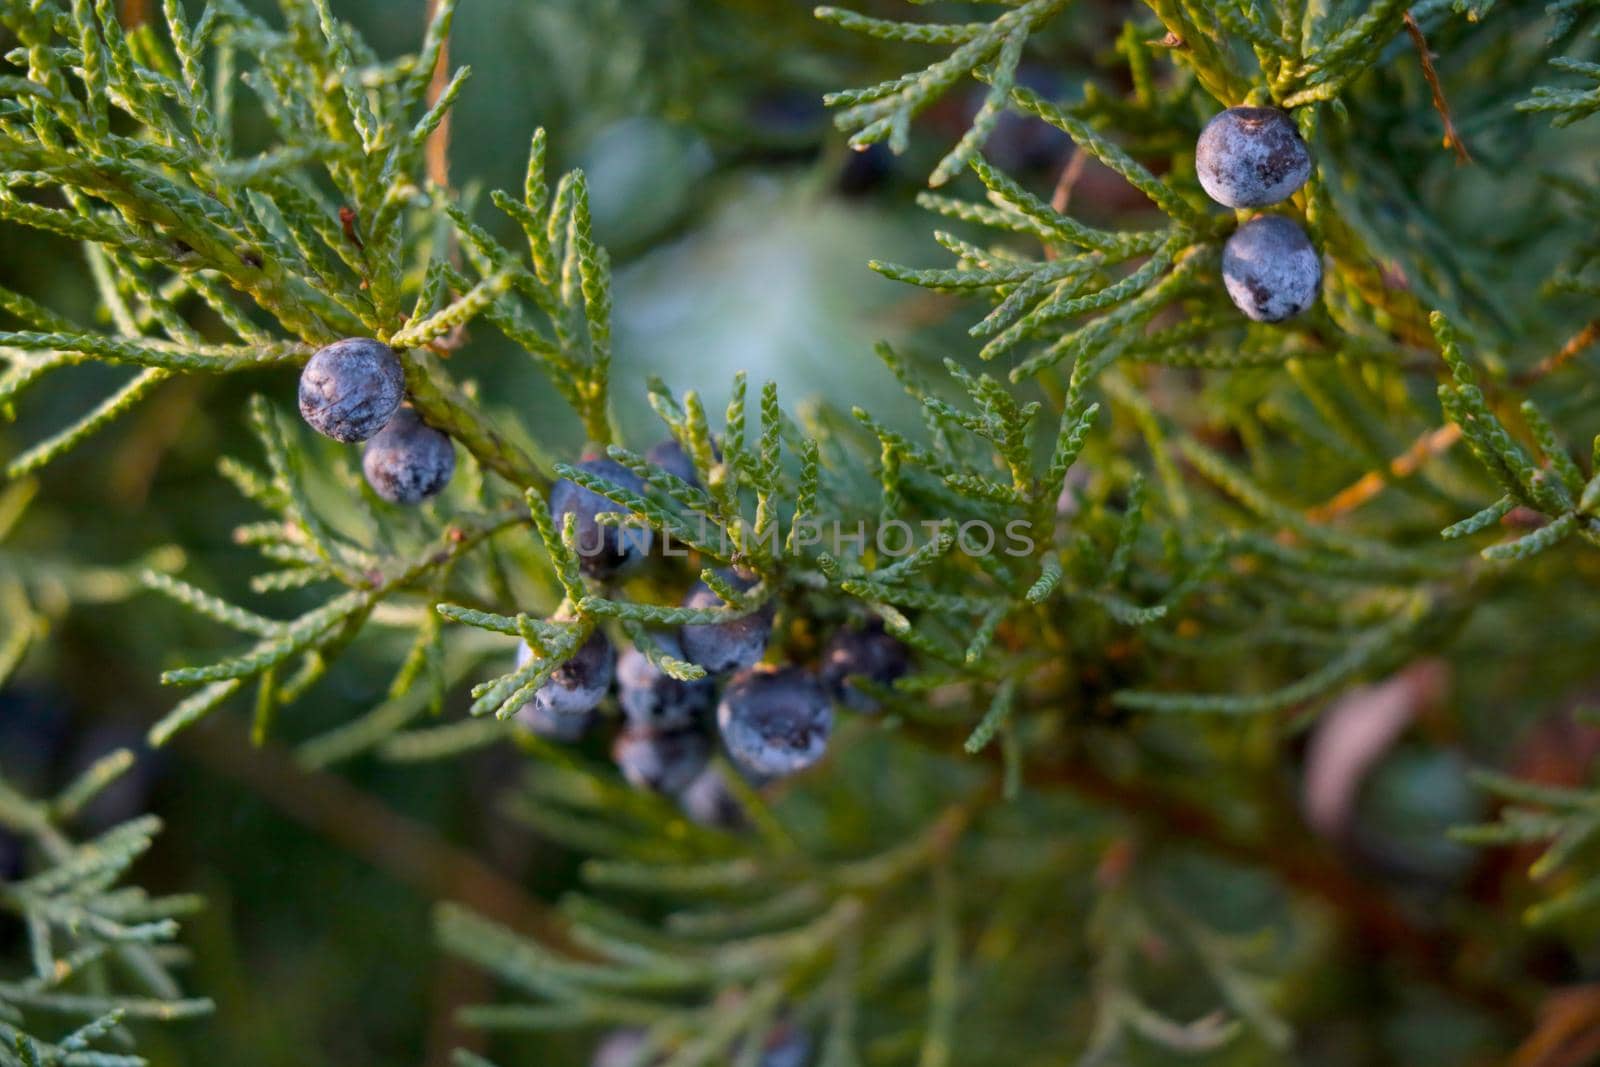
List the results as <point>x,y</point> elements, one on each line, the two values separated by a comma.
<point>539,720</point>
<point>652,697</point>
<point>709,802</point>
<point>1020,142</point>
<point>866,169</point>
<point>125,796</point>
<point>565,729</point>
<point>351,389</point>
<point>602,548</point>
<point>775,722</point>
<point>13,854</point>
<point>1251,157</point>
<point>862,653</point>
<point>1271,269</point>
<point>726,646</point>
<point>579,684</point>
<point>670,457</point>
<point>35,726</point>
<point>665,760</point>
<point>408,461</point>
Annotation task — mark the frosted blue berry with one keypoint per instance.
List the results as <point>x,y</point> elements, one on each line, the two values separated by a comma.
<point>623,1048</point>
<point>786,1045</point>
<point>536,717</point>
<point>602,548</point>
<point>709,802</point>
<point>128,795</point>
<point>579,684</point>
<point>862,653</point>
<point>408,461</point>
<point>673,458</point>
<point>775,722</point>
<point>726,646</point>
<point>670,457</point>
<point>1251,157</point>
<point>351,389</point>
<point>664,760</point>
<point>1271,269</point>
<point>651,697</point>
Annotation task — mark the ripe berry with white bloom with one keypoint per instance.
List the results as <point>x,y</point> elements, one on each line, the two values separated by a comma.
<point>537,718</point>
<point>602,548</point>
<point>731,645</point>
<point>651,697</point>
<point>775,722</point>
<point>623,1048</point>
<point>408,461</point>
<point>862,653</point>
<point>709,802</point>
<point>579,684</point>
<point>1251,157</point>
<point>1271,269</point>
<point>670,457</point>
<point>351,389</point>
<point>664,760</point>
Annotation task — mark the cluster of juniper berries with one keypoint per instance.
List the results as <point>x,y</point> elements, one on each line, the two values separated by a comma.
<point>352,391</point>
<point>772,720</point>
<point>1251,157</point>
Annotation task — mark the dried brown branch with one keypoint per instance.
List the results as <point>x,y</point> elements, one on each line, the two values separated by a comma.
<point>1438,441</point>
<point>1452,139</point>
<point>438,148</point>
<point>401,847</point>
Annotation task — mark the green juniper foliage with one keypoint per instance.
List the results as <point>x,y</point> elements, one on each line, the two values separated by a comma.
<point>102,954</point>
<point>1200,529</point>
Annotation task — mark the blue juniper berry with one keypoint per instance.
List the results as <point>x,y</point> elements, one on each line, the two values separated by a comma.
<point>664,760</point>
<point>351,389</point>
<point>408,461</point>
<point>578,685</point>
<point>624,1048</point>
<point>670,456</point>
<point>1251,157</point>
<point>651,697</point>
<point>709,802</point>
<point>775,721</point>
<point>602,549</point>
<point>731,645</point>
<point>1270,268</point>
<point>865,652</point>
<point>537,717</point>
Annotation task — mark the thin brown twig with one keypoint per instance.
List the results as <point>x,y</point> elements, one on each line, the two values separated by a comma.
<point>1284,846</point>
<point>1433,443</point>
<point>1294,854</point>
<point>438,147</point>
<point>1568,352</point>
<point>1452,139</point>
<point>403,848</point>
<point>1438,441</point>
<point>135,13</point>
<point>1061,196</point>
